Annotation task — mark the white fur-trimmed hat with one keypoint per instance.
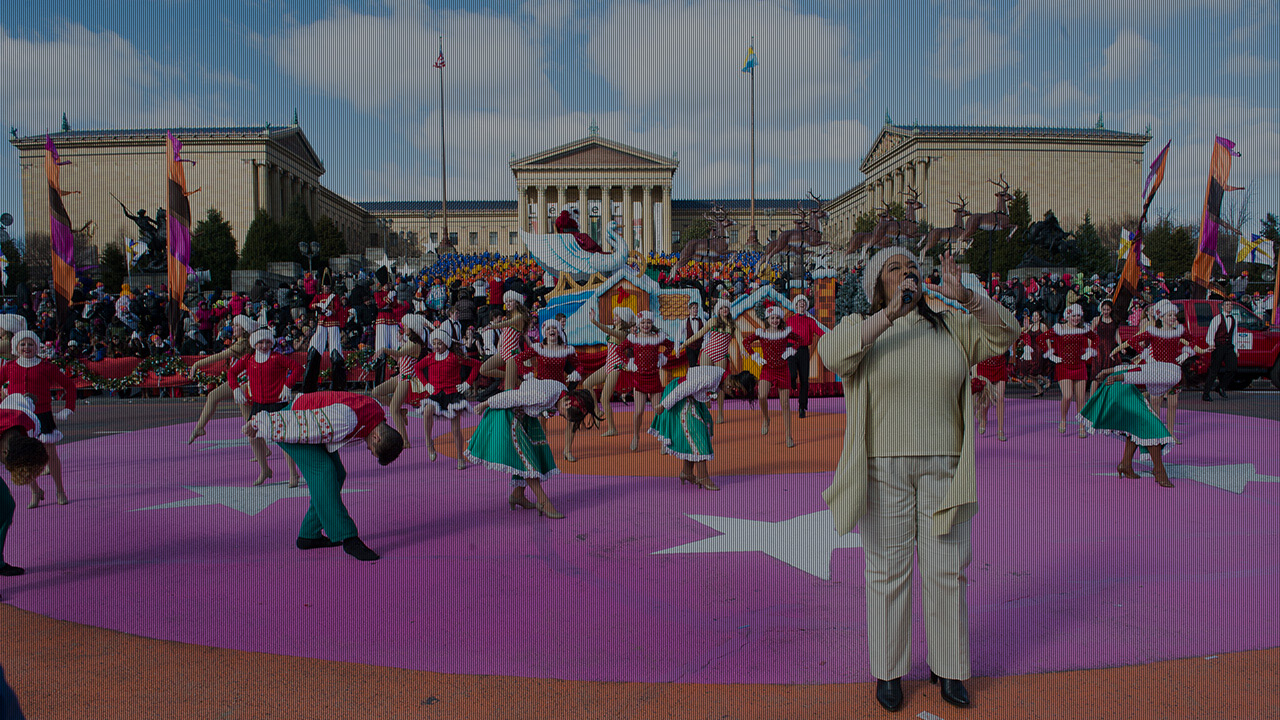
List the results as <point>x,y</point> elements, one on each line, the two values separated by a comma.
<point>722,303</point>
<point>246,323</point>
<point>625,314</point>
<point>876,264</point>
<point>442,335</point>
<point>414,322</point>
<point>260,335</point>
<point>512,296</point>
<point>550,326</point>
<point>773,311</point>
<point>1074,309</point>
<point>22,335</point>
<point>1162,308</point>
<point>644,315</point>
<point>12,323</point>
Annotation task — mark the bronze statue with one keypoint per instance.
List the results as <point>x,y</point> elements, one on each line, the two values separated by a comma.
<point>947,234</point>
<point>715,246</point>
<point>807,233</point>
<point>154,233</point>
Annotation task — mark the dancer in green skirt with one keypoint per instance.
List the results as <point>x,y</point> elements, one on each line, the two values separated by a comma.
<point>683,423</point>
<point>1118,408</point>
<point>510,438</point>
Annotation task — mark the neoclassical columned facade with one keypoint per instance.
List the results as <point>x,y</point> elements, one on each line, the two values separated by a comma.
<point>607,181</point>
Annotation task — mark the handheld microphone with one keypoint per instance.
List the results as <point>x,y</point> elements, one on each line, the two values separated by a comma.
<point>907,295</point>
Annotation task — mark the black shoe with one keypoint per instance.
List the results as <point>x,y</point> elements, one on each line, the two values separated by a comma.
<point>952,690</point>
<point>889,694</point>
<point>356,548</point>
<point>313,543</point>
<point>8,570</point>
<point>1223,393</point>
<point>802,412</point>
<point>1205,397</point>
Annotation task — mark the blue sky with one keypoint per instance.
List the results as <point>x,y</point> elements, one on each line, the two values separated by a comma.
<point>663,75</point>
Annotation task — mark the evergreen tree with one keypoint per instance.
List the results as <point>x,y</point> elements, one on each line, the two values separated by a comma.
<point>332,244</point>
<point>849,296</point>
<point>298,228</point>
<point>998,249</point>
<point>866,222</point>
<point>262,240</point>
<point>213,248</point>
<point>113,266</point>
<point>1096,258</point>
<point>17,269</point>
<point>1170,247</point>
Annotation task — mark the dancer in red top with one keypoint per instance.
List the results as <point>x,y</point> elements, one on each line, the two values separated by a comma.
<point>440,376</point>
<point>1162,348</point>
<point>31,376</point>
<point>552,359</point>
<point>510,342</point>
<point>995,371</point>
<point>311,431</point>
<point>395,392</point>
<point>717,337</point>
<point>270,375</point>
<point>385,332</point>
<point>613,373</point>
<point>23,455</point>
<point>806,331</point>
<point>241,327</point>
<point>777,343</point>
<point>649,348</point>
<point>1070,345</point>
<point>327,338</point>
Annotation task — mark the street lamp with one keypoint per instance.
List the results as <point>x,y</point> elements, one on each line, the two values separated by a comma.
<point>310,249</point>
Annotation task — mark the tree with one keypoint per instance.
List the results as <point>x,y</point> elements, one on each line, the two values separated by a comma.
<point>17,268</point>
<point>113,267</point>
<point>866,222</point>
<point>38,257</point>
<point>332,244</point>
<point>263,239</point>
<point>1096,258</point>
<point>849,296</point>
<point>1171,247</point>
<point>999,250</point>
<point>297,229</point>
<point>213,248</point>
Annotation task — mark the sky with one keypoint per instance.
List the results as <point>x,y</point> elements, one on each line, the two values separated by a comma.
<point>661,75</point>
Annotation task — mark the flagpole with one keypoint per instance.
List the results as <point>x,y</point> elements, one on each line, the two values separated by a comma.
<point>444,182</point>
<point>754,237</point>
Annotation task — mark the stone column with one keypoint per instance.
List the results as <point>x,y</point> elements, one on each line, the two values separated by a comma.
<point>257,187</point>
<point>539,219</point>
<point>647,208</point>
<point>313,202</point>
<point>666,219</point>
<point>584,214</point>
<point>627,217</point>
<point>561,195</point>
<point>606,212</point>
<point>522,208</point>
<point>270,190</point>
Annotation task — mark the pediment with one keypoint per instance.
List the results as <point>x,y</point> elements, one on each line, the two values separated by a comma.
<point>594,152</point>
<point>889,140</point>
<point>295,142</point>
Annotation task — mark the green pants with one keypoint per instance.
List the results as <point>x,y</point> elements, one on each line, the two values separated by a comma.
<point>324,474</point>
<point>7,506</point>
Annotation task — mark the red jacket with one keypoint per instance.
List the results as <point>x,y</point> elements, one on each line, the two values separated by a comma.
<point>37,382</point>
<point>266,379</point>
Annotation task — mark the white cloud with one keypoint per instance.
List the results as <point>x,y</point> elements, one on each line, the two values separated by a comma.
<point>1128,57</point>
<point>549,13</point>
<point>1250,65</point>
<point>1065,93</point>
<point>969,48</point>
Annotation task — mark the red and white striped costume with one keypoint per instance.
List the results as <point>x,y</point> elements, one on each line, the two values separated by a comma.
<point>509,342</point>
<point>775,347</point>
<point>648,353</point>
<point>333,315</point>
<point>715,345</point>
<point>1070,349</point>
<point>559,363</point>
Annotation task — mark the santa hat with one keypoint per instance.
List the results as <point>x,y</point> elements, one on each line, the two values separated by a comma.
<point>876,264</point>
<point>12,323</point>
<point>722,303</point>
<point>512,296</point>
<point>260,335</point>
<point>773,311</point>
<point>442,335</point>
<point>551,326</point>
<point>1162,308</point>
<point>645,315</point>
<point>414,322</point>
<point>246,323</point>
<point>1073,310</point>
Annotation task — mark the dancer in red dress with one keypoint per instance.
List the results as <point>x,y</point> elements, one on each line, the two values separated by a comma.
<point>717,338</point>
<point>270,375</point>
<point>1106,328</point>
<point>1070,345</point>
<point>1164,345</point>
<point>649,348</point>
<point>613,373</point>
<point>510,342</point>
<point>995,371</point>
<point>30,375</point>
<point>441,389</point>
<point>555,359</point>
<point>777,343</point>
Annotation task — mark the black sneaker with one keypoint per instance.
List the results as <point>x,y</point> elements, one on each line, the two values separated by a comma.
<point>313,543</point>
<point>356,548</point>
<point>8,570</point>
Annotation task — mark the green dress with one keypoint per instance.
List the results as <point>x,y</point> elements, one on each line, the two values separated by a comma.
<point>685,430</point>
<point>1119,409</point>
<point>513,442</point>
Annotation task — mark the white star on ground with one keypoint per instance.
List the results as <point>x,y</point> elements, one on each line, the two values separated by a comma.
<point>249,500</point>
<point>221,444</point>
<point>804,542</point>
<point>1232,478</point>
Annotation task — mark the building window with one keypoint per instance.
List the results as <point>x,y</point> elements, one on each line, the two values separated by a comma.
<point>733,237</point>
<point>512,237</point>
<point>493,237</point>
<point>435,238</point>
<point>773,235</point>
<point>675,236</point>
<point>453,238</point>
<point>473,238</point>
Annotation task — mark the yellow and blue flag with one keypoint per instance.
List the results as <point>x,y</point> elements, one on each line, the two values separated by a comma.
<point>750,64</point>
<point>1254,250</point>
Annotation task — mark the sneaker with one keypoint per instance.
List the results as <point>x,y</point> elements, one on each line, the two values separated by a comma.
<point>356,548</point>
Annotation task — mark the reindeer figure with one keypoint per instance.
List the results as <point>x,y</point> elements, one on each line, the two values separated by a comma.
<point>947,234</point>
<point>715,246</point>
<point>860,239</point>
<point>890,230</point>
<point>998,220</point>
<point>807,232</point>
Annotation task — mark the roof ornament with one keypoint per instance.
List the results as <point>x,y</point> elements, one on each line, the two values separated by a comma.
<point>1099,124</point>
<point>295,117</point>
<point>675,154</point>
<point>1148,129</point>
<point>66,126</point>
<point>593,129</point>
<point>887,120</point>
<point>14,132</point>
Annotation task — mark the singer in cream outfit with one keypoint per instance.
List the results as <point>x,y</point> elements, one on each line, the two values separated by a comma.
<point>906,473</point>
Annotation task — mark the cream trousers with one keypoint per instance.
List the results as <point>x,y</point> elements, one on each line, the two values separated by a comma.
<point>902,493</point>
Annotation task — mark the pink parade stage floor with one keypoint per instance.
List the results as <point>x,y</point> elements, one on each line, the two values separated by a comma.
<point>648,580</point>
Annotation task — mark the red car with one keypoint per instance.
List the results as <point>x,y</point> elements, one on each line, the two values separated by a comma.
<point>1257,345</point>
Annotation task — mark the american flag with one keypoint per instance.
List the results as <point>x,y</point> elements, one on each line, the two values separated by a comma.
<point>439,63</point>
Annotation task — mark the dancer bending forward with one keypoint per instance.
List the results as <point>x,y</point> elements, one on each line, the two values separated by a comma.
<point>23,455</point>
<point>35,377</point>
<point>683,423</point>
<point>1117,408</point>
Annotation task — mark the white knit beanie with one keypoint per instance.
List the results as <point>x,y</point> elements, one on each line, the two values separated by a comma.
<point>247,323</point>
<point>414,322</point>
<point>24,334</point>
<point>442,335</point>
<point>260,335</point>
<point>512,296</point>
<point>871,272</point>
<point>624,314</point>
<point>12,323</point>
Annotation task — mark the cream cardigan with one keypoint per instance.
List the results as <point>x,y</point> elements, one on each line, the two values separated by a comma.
<point>989,331</point>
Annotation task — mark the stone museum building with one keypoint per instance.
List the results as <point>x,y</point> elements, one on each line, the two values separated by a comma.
<point>240,170</point>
